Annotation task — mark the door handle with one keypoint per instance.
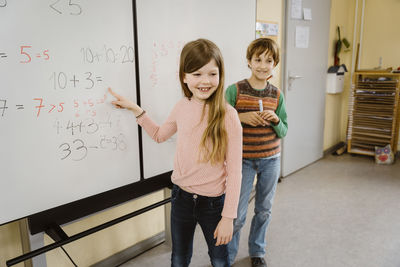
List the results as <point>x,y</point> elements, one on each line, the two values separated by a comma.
<point>292,78</point>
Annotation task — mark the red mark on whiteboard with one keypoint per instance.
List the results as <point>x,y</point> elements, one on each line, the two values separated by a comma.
<point>40,106</point>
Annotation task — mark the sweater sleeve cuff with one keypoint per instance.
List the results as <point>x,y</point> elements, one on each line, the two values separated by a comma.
<point>229,214</point>
<point>276,125</point>
<point>141,119</point>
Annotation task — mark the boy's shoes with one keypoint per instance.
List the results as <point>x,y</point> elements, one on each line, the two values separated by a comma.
<point>258,262</point>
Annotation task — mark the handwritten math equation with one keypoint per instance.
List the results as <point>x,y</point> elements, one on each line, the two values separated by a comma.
<point>84,133</point>
<point>78,149</point>
<point>62,80</point>
<point>29,54</point>
<point>83,126</point>
<point>42,106</point>
<point>125,54</point>
<point>89,134</point>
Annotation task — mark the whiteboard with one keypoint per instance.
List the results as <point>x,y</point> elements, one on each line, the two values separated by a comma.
<point>61,140</point>
<point>163,29</point>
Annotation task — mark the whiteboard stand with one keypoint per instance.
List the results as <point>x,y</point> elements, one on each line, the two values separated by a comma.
<point>37,241</point>
<point>25,242</point>
<point>167,210</point>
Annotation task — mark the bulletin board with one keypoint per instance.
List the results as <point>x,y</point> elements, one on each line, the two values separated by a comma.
<point>269,29</point>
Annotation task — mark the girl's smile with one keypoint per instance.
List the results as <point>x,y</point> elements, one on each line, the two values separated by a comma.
<point>204,81</point>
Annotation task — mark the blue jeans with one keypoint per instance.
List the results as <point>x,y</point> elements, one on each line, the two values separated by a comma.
<point>186,211</point>
<point>267,170</point>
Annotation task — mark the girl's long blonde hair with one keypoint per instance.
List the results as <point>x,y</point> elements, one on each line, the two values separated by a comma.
<point>195,55</point>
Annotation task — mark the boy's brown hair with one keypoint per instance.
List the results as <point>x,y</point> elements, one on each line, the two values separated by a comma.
<point>260,45</point>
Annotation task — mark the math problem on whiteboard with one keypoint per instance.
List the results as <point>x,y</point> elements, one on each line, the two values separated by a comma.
<point>79,119</point>
<point>93,132</point>
<point>106,54</point>
<point>85,123</point>
<point>60,135</point>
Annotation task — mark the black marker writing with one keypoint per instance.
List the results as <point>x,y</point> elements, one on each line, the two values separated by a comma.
<point>74,8</point>
<point>108,55</point>
<point>3,106</point>
<point>61,80</point>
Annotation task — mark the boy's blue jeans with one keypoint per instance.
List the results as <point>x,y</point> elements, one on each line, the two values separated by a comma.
<point>186,211</point>
<point>268,171</point>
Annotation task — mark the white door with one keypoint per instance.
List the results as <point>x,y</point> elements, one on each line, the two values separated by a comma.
<point>305,60</point>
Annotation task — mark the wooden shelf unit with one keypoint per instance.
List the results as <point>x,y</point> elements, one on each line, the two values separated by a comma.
<point>373,112</point>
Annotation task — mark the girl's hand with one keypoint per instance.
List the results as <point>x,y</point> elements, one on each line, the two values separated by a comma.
<point>123,102</point>
<point>223,232</point>
<point>269,115</point>
<point>252,118</point>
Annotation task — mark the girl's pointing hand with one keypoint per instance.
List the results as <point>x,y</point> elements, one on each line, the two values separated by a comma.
<point>123,102</point>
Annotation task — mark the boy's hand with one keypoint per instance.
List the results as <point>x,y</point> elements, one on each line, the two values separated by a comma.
<point>252,118</point>
<point>223,232</point>
<point>269,115</point>
<point>123,102</point>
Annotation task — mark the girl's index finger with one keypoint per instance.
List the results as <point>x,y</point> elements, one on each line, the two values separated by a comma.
<point>113,93</point>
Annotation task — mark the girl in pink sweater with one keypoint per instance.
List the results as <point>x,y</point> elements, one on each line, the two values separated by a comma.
<point>207,163</point>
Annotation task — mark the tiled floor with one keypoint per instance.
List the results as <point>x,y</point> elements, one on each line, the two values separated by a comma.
<point>340,211</point>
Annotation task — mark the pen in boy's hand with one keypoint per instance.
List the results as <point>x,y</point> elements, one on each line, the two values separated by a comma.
<point>260,104</point>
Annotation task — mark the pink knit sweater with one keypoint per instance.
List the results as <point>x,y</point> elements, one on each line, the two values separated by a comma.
<point>190,174</point>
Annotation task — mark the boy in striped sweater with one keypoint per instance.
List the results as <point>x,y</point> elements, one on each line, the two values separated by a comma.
<point>262,112</point>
